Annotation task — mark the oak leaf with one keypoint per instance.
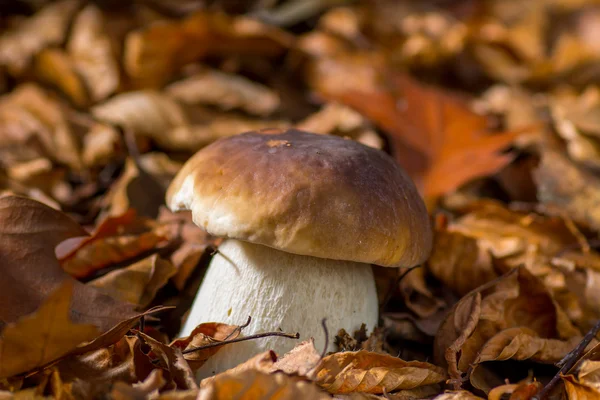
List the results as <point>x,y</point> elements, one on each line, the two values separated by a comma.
<point>432,131</point>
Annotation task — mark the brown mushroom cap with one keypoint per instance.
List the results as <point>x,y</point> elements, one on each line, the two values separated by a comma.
<point>308,194</point>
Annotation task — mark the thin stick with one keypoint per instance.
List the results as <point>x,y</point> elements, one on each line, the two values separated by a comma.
<point>324,325</point>
<point>569,361</point>
<point>239,328</point>
<point>251,337</point>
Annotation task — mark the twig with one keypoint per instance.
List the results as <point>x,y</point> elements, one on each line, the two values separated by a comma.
<point>296,11</point>
<point>324,325</point>
<point>239,328</point>
<point>569,361</point>
<point>251,337</point>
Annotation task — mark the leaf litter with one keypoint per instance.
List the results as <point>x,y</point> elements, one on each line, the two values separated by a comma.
<point>492,109</point>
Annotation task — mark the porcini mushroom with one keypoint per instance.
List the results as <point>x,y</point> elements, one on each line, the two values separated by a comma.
<point>304,216</point>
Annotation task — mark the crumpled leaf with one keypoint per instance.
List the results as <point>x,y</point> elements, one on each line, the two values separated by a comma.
<point>253,384</point>
<point>91,53</point>
<point>148,388</point>
<point>115,239</point>
<point>137,283</point>
<point>302,360</point>
<point>47,27</point>
<point>364,371</point>
<point>227,91</point>
<point>153,54</point>
<point>205,333</point>
<point>515,300</point>
<point>568,187</point>
<point>44,336</point>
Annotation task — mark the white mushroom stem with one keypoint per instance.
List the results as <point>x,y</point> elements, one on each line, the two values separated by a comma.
<point>283,291</point>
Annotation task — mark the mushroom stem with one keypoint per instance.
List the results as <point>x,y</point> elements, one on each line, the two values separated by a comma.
<point>280,291</point>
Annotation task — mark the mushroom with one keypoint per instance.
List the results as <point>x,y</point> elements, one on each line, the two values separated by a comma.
<point>303,217</point>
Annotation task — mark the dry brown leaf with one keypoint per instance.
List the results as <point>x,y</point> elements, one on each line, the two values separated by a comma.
<point>47,27</point>
<point>227,91</point>
<point>101,144</point>
<point>28,115</point>
<point>146,389</point>
<point>457,395</point>
<point>115,239</point>
<point>253,384</point>
<point>521,344</point>
<point>44,336</point>
<point>153,54</point>
<point>337,119</point>
<point>568,187</point>
<point>91,53</point>
<point>459,261</point>
<point>515,300</point>
<point>205,333</point>
<point>142,185</point>
<point>137,283</point>
<point>586,385</point>
<point>195,242</point>
<point>146,113</point>
<point>53,66</point>
<point>30,231</point>
<point>364,371</point>
<point>171,360</point>
<point>301,360</point>
<point>262,362</point>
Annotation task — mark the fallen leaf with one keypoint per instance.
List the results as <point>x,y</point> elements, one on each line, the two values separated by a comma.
<point>457,395</point>
<point>147,388</point>
<point>92,55</point>
<point>205,333</point>
<point>28,114</point>
<point>253,384</point>
<point>137,283</point>
<point>364,371</point>
<point>115,239</point>
<point>432,131</point>
<point>568,187</point>
<point>262,362</point>
<point>585,384</point>
<point>199,35</point>
<point>142,185</point>
<point>47,27</point>
<point>485,316</point>
<point>53,66</point>
<point>227,91</point>
<point>301,360</point>
<point>44,336</point>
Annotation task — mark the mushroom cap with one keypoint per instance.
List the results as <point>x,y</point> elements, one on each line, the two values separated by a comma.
<point>308,194</point>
